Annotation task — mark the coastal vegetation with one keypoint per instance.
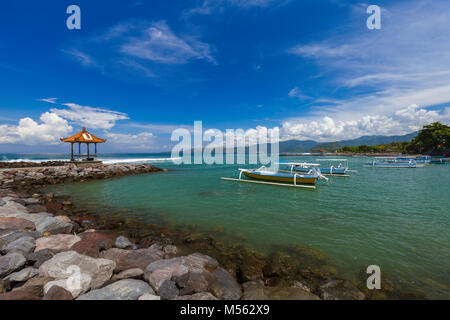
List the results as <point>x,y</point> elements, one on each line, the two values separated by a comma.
<point>432,139</point>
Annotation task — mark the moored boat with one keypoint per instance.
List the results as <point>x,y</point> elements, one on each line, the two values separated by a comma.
<point>327,167</point>
<point>393,162</point>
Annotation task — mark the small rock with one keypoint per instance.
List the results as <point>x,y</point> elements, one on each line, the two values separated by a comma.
<point>168,290</point>
<point>64,219</point>
<point>124,243</point>
<point>59,242</point>
<point>10,263</point>
<point>128,289</point>
<point>23,275</point>
<point>7,236</point>
<point>224,286</point>
<point>277,293</point>
<point>149,296</point>
<point>39,257</point>
<point>340,290</point>
<point>130,273</point>
<point>22,245</point>
<point>36,195</point>
<point>197,296</point>
<point>128,259</point>
<point>171,249</point>
<point>159,271</point>
<point>193,282</point>
<point>57,293</point>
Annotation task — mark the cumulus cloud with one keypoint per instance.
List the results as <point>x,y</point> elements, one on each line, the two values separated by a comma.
<point>403,121</point>
<point>48,131</point>
<point>95,118</point>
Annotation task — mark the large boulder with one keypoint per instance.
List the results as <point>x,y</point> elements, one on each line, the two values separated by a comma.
<point>16,224</point>
<point>128,259</point>
<point>277,293</point>
<point>58,242</point>
<point>10,263</point>
<point>93,242</point>
<point>82,273</point>
<point>127,289</point>
<point>340,290</point>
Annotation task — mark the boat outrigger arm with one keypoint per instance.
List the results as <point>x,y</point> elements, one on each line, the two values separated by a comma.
<point>314,168</point>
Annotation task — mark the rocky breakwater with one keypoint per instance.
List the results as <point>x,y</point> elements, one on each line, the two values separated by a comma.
<point>55,256</point>
<point>38,176</point>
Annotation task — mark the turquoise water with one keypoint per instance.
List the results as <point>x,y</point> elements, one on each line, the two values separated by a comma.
<point>398,219</point>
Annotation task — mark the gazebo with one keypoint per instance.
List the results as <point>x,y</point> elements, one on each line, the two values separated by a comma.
<point>83,137</point>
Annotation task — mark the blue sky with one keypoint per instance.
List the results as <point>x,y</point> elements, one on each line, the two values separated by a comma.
<point>139,69</point>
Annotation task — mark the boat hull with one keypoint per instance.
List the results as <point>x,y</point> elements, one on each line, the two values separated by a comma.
<point>280,178</point>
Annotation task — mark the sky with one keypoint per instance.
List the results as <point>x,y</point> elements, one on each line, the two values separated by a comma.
<point>137,70</point>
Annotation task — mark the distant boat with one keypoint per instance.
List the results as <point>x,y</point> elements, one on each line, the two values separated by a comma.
<point>327,167</point>
<point>417,159</point>
<point>394,162</point>
<point>438,159</point>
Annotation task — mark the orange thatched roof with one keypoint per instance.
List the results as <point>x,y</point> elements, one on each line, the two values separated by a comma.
<point>83,136</point>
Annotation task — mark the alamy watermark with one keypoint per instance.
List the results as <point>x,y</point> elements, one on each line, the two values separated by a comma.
<point>233,146</point>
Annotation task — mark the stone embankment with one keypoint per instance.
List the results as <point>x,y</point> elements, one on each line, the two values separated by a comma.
<point>35,176</point>
<point>53,257</point>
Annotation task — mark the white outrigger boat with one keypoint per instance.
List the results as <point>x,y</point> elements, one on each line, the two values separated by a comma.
<point>283,178</point>
<point>394,162</point>
<point>334,167</point>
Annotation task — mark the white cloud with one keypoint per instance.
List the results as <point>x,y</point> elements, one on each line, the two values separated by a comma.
<point>210,6</point>
<point>138,141</point>
<point>83,58</point>
<point>50,129</point>
<point>381,71</point>
<point>295,93</point>
<point>95,118</point>
<point>402,121</point>
<point>160,44</point>
<point>49,100</point>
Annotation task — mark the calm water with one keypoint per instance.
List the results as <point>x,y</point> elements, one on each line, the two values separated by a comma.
<point>398,219</point>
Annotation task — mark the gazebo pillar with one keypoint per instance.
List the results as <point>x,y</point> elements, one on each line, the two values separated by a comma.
<point>87,149</point>
<point>79,150</point>
<point>71,154</point>
<point>95,144</point>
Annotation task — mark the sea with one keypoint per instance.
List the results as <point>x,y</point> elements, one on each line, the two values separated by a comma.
<point>395,218</point>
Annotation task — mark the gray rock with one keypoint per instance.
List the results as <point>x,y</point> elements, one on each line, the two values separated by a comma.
<point>7,236</point>
<point>159,271</point>
<point>23,275</point>
<point>277,293</point>
<point>156,246</point>
<point>22,245</point>
<point>224,286</point>
<point>10,263</point>
<point>197,296</point>
<point>58,242</point>
<point>91,273</point>
<point>168,290</point>
<point>193,282</point>
<point>124,243</point>
<point>198,262</point>
<point>340,290</point>
<point>128,289</point>
<point>2,203</point>
<point>149,296</point>
<point>255,283</point>
<point>37,258</point>
<point>127,259</point>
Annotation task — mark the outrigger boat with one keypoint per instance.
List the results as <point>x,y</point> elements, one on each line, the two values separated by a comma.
<point>283,178</point>
<point>394,162</point>
<point>417,159</point>
<point>336,167</point>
